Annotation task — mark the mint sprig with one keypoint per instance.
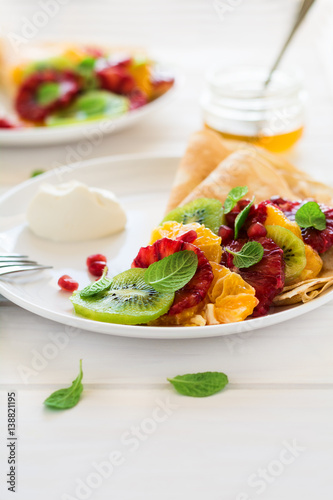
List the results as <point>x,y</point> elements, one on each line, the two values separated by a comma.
<point>311,215</point>
<point>199,385</point>
<point>251,253</point>
<point>69,397</point>
<point>97,287</point>
<point>173,272</point>
<point>241,217</point>
<point>233,198</point>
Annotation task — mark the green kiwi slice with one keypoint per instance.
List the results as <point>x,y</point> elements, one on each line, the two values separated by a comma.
<point>207,211</point>
<point>293,250</point>
<point>91,105</point>
<point>129,301</point>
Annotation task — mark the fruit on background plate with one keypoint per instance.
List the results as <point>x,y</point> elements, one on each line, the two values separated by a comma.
<point>45,92</point>
<point>129,301</point>
<point>93,105</point>
<point>45,78</point>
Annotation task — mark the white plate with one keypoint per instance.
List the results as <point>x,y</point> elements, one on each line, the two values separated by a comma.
<point>54,135</point>
<point>142,183</point>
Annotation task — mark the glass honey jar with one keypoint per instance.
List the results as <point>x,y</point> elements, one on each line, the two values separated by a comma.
<point>236,104</point>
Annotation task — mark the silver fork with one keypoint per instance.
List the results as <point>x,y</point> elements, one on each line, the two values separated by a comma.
<point>16,263</point>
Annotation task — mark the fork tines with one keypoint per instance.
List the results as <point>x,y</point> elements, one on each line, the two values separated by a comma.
<point>15,263</point>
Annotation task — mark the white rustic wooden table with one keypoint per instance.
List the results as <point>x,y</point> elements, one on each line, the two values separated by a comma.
<point>269,435</point>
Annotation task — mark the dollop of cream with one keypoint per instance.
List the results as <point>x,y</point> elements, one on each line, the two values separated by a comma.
<point>74,212</point>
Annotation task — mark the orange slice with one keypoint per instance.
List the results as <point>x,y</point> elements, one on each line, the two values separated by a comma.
<point>233,298</point>
<point>275,217</point>
<point>313,266</point>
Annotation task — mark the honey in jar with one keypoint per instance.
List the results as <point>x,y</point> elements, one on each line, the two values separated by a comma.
<point>236,104</point>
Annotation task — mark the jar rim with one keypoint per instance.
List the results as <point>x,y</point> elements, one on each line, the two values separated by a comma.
<point>245,82</point>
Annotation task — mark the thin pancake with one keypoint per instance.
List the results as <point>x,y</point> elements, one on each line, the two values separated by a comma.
<point>204,152</point>
<point>242,168</point>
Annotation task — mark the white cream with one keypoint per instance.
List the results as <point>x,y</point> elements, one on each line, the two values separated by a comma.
<point>74,212</point>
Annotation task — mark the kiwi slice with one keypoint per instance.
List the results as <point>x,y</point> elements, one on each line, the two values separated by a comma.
<point>293,250</point>
<point>129,301</point>
<point>207,211</point>
<point>92,105</point>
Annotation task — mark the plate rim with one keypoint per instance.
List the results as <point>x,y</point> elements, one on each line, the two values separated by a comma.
<point>151,332</point>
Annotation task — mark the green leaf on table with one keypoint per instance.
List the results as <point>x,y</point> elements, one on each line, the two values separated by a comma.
<point>241,217</point>
<point>69,397</point>
<point>199,385</point>
<point>97,287</point>
<point>251,253</point>
<point>36,172</point>
<point>311,215</point>
<point>172,272</point>
<point>233,198</point>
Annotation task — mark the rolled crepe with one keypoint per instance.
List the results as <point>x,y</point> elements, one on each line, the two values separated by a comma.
<point>204,152</point>
<point>206,149</point>
<point>307,290</point>
<point>242,168</point>
<point>301,183</point>
<point>212,166</point>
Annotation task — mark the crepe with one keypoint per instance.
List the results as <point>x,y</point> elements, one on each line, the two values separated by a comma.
<point>204,152</point>
<point>242,168</point>
<point>212,166</point>
<point>307,290</point>
<point>301,183</point>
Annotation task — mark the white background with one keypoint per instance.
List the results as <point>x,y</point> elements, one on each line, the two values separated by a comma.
<point>280,378</point>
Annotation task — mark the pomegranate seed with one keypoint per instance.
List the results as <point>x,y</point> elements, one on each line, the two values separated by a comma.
<point>95,257</point>
<point>227,234</point>
<point>96,268</point>
<point>188,237</point>
<point>256,230</point>
<point>67,283</point>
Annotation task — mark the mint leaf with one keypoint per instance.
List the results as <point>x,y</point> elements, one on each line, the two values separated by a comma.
<point>199,385</point>
<point>97,287</point>
<point>69,397</point>
<point>233,197</point>
<point>311,215</point>
<point>36,172</point>
<point>241,217</point>
<point>47,93</point>
<point>172,272</point>
<point>251,253</point>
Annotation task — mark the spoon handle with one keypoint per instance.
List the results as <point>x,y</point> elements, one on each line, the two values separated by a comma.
<point>301,15</point>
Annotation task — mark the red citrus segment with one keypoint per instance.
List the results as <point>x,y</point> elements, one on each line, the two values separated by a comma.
<point>267,277</point>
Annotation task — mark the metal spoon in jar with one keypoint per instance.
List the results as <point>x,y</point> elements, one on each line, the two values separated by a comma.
<point>300,17</point>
